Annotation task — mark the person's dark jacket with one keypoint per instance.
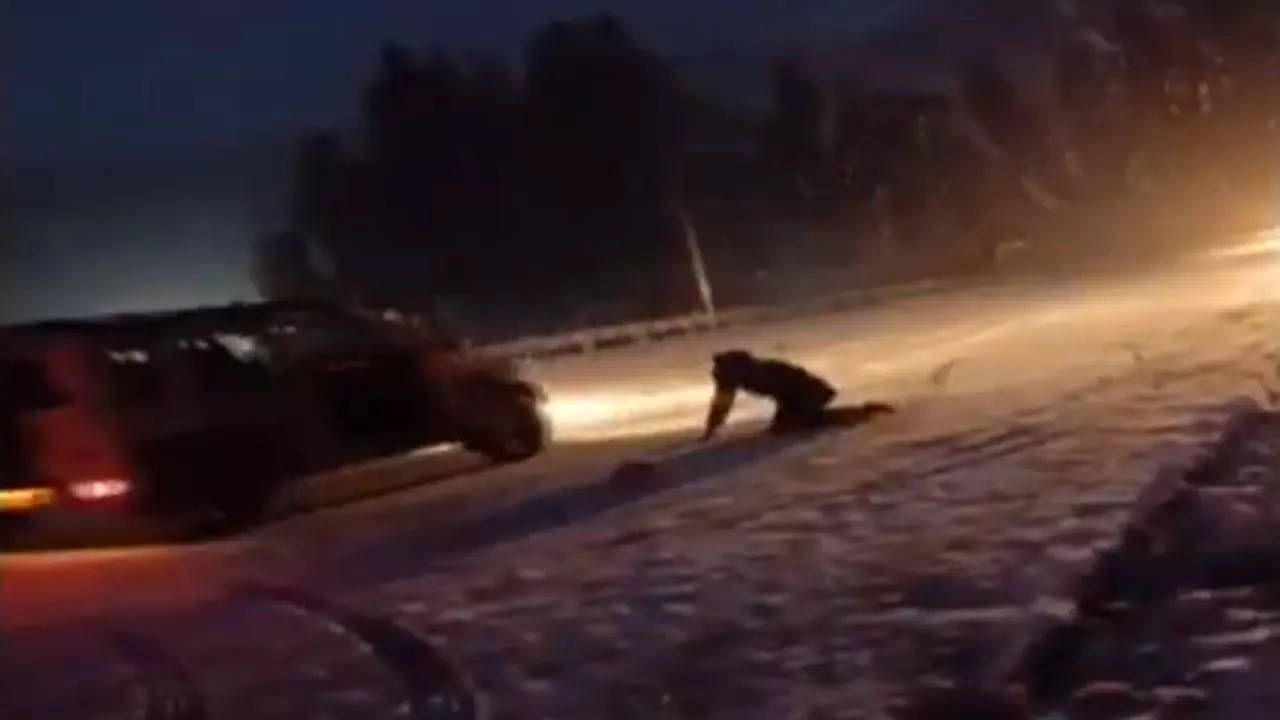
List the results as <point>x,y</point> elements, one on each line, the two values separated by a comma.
<point>797,393</point>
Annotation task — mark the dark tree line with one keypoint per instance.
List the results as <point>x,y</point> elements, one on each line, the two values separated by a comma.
<point>575,179</point>
<point>471,179</point>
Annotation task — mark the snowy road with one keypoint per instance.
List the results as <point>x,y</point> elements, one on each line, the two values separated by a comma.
<point>810,577</point>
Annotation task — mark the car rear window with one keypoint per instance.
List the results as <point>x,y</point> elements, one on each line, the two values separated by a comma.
<point>132,378</point>
<point>228,363</point>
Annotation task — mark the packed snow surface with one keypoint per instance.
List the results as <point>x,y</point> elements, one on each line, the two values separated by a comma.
<point>821,576</point>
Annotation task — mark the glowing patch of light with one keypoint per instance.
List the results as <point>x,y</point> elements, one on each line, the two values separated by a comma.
<point>1266,242</point>
<point>619,414</point>
<point>25,499</point>
<point>429,451</point>
<point>99,489</point>
<point>601,408</point>
<point>244,348</point>
<point>125,357</point>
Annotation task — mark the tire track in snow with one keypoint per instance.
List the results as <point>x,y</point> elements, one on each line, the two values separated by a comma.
<point>168,690</point>
<point>437,688</point>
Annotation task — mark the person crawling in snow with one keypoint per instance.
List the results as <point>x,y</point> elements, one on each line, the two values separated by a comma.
<point>802,400</point>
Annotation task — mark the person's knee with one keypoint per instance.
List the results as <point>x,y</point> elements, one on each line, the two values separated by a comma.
<point>784,419</point>
<point>797,417</point>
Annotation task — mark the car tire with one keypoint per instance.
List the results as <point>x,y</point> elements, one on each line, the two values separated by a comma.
<point>515,428</point>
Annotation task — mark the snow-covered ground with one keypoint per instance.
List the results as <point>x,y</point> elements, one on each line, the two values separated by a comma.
<point>961,342</point>
<point>851,567</point>
<point>813,577</point>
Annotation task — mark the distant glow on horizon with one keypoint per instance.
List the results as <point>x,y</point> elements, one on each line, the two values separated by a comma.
<point>101,256</point>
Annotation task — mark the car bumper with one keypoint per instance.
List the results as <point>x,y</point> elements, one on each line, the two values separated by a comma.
<point>43,517</point>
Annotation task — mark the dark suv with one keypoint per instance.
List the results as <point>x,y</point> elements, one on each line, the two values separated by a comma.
<point>213,409</point>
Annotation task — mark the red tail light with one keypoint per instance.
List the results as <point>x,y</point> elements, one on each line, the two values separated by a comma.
<point>99,489</point>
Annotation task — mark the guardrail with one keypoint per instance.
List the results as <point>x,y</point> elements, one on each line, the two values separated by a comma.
<point>608,337</point>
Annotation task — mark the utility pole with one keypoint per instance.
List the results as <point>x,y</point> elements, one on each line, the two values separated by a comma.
<point>695,260</point>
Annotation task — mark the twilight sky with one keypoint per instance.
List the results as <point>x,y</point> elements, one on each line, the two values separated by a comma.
<point>146,142</point>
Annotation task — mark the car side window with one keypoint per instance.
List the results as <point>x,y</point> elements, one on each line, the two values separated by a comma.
<point>132,378</point>
<point>228,363</point>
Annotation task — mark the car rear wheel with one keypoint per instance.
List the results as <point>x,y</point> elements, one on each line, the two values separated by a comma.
<point>217,481</point>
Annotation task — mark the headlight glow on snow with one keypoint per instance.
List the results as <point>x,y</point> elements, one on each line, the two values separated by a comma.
<point>616,414</point>
<point>597,408</point>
